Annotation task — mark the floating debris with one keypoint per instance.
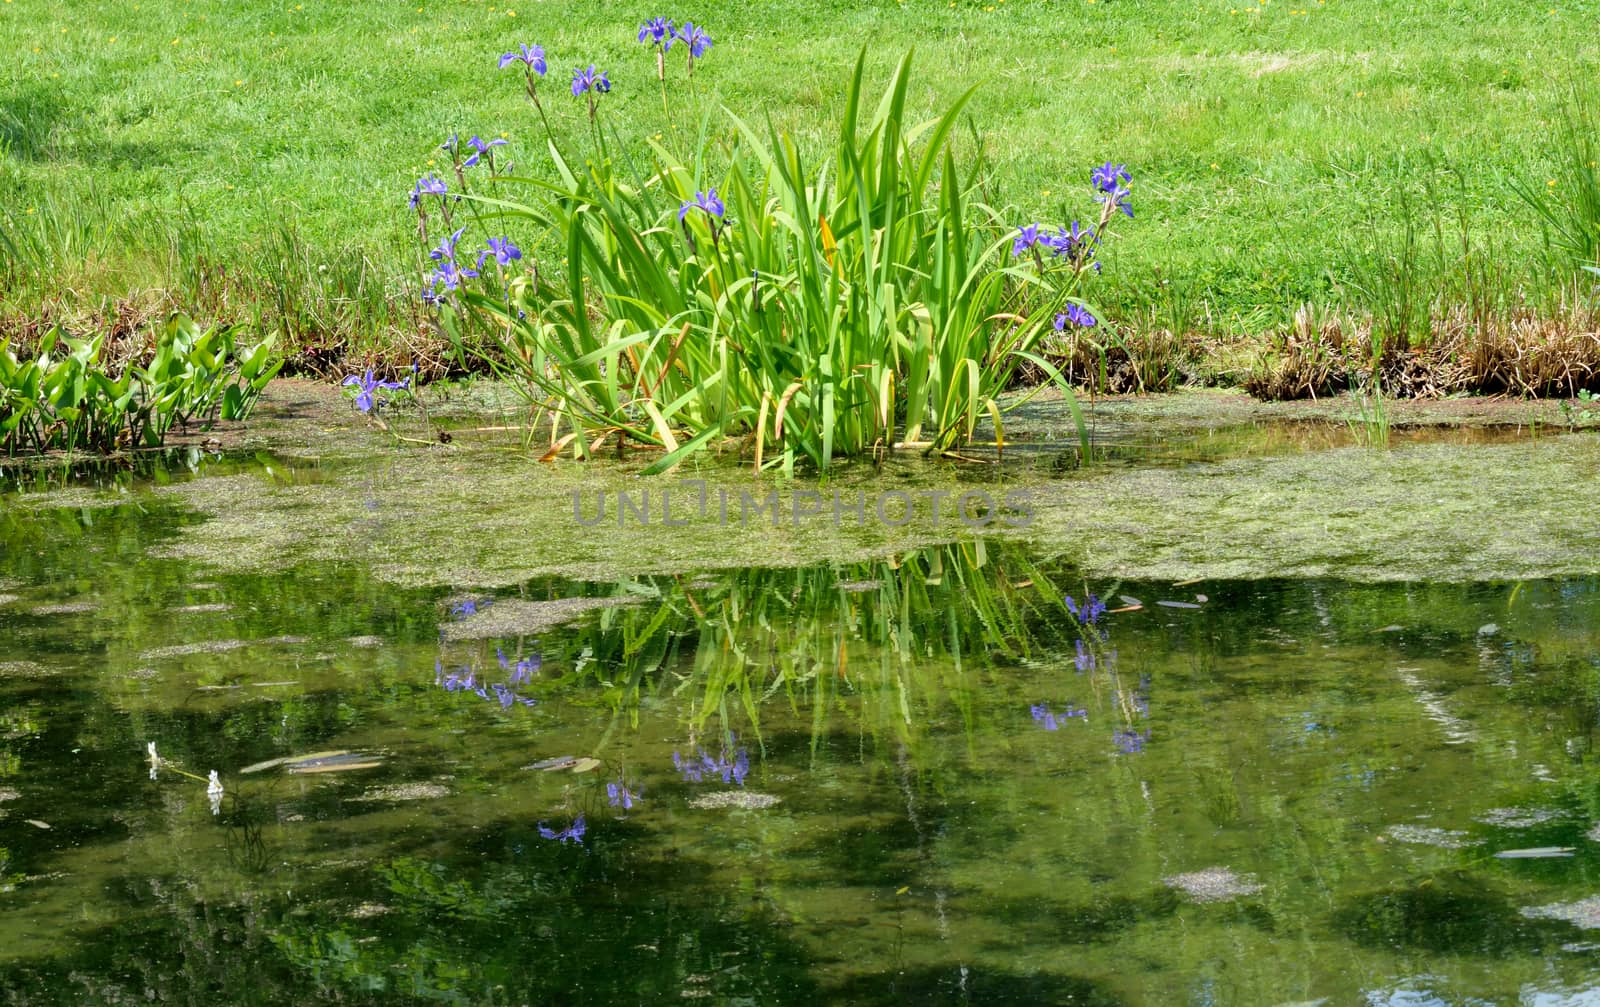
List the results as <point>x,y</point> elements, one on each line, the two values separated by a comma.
<point>23,669</point>
<point>334,764</point>
<point>367,910</point>
<point>553,764</point>
<point>270,763</point>
<point>515,617</point>
<point>859,586</point>
<point>214,647</point>
<point>1518,818</point>
<point>365,641</point>
<point>1583,913</point>
<point>405,792</point>
<point>1488,629</point>
<point>1177,604</point>
<point>65,608</point>
<point>1128,599</point>
<point>1536,853</point>
<point>585,765</point>
<point>1456,731</point>
<point>6,599</point>
<point>215,606</point>
<point>1424,835</point>
<point>1214,884</point>
<point>749,800</point>
<point>7,794</point>
<point>38,824</point>
<point>1202,599</point>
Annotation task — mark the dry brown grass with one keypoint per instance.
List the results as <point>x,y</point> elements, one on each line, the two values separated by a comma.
<point>1518,352</point>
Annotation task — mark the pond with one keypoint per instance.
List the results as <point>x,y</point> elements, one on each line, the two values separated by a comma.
<point>941,773</point>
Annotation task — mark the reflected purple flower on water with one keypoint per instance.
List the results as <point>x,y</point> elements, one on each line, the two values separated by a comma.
<point>619,796</point>
<point>466,679</point>
<point>1051,721</point>
<point>1091,611</point>
<point>733,768</point>
<point>1084,660</point>
<point>523,671</point>
<point>462,609</point>
<point>1129,741</point>
<point>573,832</point>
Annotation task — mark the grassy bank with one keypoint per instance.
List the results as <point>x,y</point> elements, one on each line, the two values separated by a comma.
<point>251,161</point>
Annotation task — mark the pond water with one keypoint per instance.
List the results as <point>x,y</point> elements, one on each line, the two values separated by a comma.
<point>916,779</point>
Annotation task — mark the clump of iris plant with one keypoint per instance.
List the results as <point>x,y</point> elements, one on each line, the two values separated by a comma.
<point>366,388</point>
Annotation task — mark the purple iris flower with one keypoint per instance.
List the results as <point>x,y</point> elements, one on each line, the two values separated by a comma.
<point>573,832</point>
<point>590,80</point>
<point>1043,716</point>
<point>1109,177</point>
<point>447,278</point>
<point>1027,237</point>
<point>502,249</point>
<point>656,31</point>
<point>427,185</point>
<point>1077,315</point>
<point>618,795</point>
<point>366,385</point>
<point>708,201</point>
<point>479,150</point>
<point>450,145</point>
<point>446,250</point>
<point>1074,244</point>
<point>695,38</point>
<point>531,55</point>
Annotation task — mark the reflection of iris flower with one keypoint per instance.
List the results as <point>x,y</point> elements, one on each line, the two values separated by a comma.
<point>573,832</point>
<point>618,795</point>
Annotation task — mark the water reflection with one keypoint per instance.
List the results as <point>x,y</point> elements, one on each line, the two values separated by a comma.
<point>946,776</point>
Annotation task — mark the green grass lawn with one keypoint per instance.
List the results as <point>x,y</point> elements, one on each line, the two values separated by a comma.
<point>148,146</point>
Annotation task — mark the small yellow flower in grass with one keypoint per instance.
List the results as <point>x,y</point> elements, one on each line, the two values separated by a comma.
<point>1213,166</point>
<point>112,39</point>
<point>1361,94</point>
<point>991,6</point>
<point>176,41</point>
<point>512,13</point>
<point>1551,183</point>
<point>238,83</point>
<point>430,162</point>
<point>30,209</point>
<point>503,136</point>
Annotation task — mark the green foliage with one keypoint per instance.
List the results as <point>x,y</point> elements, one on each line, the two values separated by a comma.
<point>67,397</point>
<point>856,304</point>
<point>1568,205</point>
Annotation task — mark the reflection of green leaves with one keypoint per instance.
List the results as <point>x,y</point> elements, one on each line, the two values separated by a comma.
<point>330,957</point>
